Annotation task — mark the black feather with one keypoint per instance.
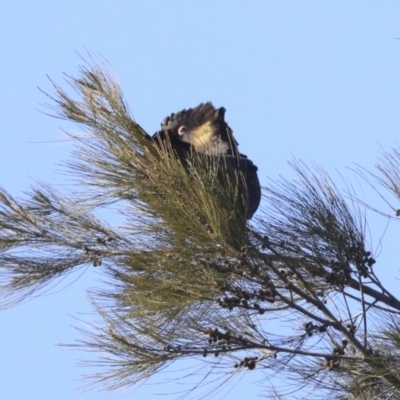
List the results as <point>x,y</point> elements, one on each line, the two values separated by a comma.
<point>203,130</point>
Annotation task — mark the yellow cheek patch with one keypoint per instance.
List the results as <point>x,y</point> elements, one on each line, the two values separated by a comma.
<point>202,134</point>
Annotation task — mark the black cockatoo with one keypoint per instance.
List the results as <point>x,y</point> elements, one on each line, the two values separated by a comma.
<point>203,130</point>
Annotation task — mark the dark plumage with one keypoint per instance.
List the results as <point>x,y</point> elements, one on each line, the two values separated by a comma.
<point>204,130</point>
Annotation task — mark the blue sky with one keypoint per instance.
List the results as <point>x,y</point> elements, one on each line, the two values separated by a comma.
<point>313,79</point>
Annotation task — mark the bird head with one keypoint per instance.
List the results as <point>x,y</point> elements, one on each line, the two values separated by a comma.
<point>202,127</point>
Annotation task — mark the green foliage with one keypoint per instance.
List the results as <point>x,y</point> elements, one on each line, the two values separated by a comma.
<point>188,278</point>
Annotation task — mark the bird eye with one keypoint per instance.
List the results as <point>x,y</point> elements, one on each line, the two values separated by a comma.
<point>181,130</point>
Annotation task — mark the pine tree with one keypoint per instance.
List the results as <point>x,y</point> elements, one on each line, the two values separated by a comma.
<point>189,278</point>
